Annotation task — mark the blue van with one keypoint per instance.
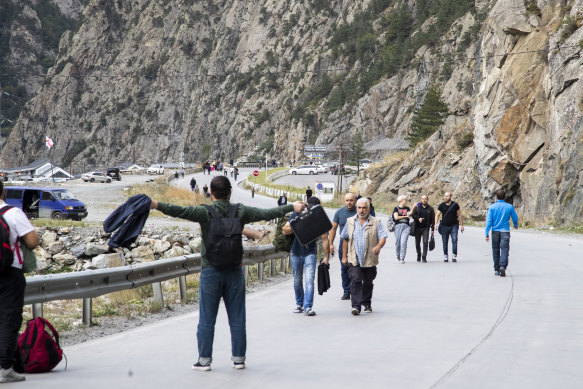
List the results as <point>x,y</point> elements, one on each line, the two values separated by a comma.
<point>56,203</point>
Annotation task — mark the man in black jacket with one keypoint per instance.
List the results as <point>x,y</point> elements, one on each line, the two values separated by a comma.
<point>282,200</point>
<point>424,217</point>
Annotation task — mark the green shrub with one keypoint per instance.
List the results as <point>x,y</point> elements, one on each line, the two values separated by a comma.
<point>465,140</point>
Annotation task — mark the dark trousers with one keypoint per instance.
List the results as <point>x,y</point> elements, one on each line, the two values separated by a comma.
<point>361,285</point>
<point>500,248</point>
<point>421,233</point>
<point>12,285</point>
<point>343,272</point>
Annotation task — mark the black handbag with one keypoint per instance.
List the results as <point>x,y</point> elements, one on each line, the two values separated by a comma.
<point>431,243</point>
<point>309,226</point>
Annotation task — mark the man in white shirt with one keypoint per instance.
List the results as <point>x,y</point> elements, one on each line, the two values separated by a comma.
<point>12,285</point>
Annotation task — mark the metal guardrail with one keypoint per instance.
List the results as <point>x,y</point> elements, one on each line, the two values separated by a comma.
<point>93,283</point>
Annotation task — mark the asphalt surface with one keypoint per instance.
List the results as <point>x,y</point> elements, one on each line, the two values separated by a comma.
<point>449,325</point>
<point>303,180</point>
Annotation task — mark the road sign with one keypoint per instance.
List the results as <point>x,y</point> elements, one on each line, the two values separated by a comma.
<point>314,148</point>
<point>319,186</point>
<point>256,173</point>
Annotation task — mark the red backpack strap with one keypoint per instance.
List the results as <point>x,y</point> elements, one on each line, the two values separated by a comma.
<point>55,333</point>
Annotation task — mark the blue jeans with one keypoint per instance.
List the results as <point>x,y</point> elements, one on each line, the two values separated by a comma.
<point>230,285</point>
<point>500,248</point>
<point>305,300</point>
<point>446,232</point>
<point>343,271</point>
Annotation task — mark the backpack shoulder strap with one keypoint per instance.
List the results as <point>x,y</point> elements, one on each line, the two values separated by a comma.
<point>55,333</point>
<point>5,209</point>
<point>234,211</point>
<point>212,211</point>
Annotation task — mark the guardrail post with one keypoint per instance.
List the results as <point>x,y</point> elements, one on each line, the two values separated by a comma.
<point>158,295</point>
<point>37,310</point>
<point>283,265</point>
<point>246,273</point>
<point>273,267</point>
<point>260,271</point>
<point>182,287</point>
<point>87,311</point>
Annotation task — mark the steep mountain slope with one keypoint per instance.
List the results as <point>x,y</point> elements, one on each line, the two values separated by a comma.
<point>147,80</point>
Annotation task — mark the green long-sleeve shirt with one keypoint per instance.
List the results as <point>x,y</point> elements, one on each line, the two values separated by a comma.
<point>201,215</point>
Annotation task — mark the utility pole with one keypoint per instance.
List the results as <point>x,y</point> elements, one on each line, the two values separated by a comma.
<point>339,171</point>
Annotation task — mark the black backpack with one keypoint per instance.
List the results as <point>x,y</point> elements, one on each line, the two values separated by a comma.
<point>224,244</point>
<point>6,253</point>
<point>282,242</point>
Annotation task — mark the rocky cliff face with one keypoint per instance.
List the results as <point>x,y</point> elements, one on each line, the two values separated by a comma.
<point>147,80</point>
<point>526,116</point>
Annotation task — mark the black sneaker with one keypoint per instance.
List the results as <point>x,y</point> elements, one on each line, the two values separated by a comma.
<point>355,311</point>
<point>454,258</point>
<point>367,309</point>
<point>424,260</point>
<point>298,309</point>
<point>496,273</point>
<point>502,272</point>
<point>239,365</point>
<point>198,366</point>
<point>345,296</point>
<point>418,259</point>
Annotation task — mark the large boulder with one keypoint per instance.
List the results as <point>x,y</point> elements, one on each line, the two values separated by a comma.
<point>107,260</point>
<point>175,251</point>
<point>64,259</point>
<point>96,249</point>
<point>195,244</point>
<point>78,250</point>
<point>49,237</point>
<point>143,254</point>
<point>161,246</point>
<point>56,247</point>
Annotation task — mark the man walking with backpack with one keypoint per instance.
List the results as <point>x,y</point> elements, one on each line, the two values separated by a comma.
<point>498,221</point>
<point>13,225</point>
<point>221,225</point>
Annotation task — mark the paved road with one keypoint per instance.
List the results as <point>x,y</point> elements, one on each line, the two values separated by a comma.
<point>302,181</point>
<point>434,325</point>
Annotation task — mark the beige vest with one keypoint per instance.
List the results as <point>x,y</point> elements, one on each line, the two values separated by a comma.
<point>372,240</point>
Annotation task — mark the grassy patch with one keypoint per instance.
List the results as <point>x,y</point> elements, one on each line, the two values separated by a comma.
<point>62,223</point>
<point>159,191</point>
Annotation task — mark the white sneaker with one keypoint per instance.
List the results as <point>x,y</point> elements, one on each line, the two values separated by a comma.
<point>9,375</point>
<point>402,261</point>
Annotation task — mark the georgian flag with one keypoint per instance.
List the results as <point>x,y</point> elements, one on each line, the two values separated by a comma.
<point>49,142</point>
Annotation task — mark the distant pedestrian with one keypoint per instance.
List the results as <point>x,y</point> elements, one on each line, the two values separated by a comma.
<point>498,220</point>
<point>304,258</point>
<point>196,189</point>
<point>252,192</point>
<point>225,172</point>
<point>451,223</point>
<point>402,228</point>
<point>176,177</point>
<point>363,238</point>
<point>182,173</point>
<point>12,286</point>
<point>282,200</point>
<point>308,193</point>
<point>338,223</point>
<point>192,184</point>
<point>205,190</point>
<point>372,211</point>
<point>232,169</point>
<point>236,172</point>
<point>221,277</point>
<point>424,217</point>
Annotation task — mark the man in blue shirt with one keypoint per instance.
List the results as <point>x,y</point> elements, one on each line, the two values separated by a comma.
<point>338,223</point>
<point>498,221</point>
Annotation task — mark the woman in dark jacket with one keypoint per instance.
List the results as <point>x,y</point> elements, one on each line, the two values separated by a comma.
<point>424,217</point>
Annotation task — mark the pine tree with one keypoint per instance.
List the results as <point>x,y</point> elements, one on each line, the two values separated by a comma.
<point>357,149</point>
<point>428,118</point>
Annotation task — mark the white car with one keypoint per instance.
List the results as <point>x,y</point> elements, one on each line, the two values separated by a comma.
<point>95,177</point>
<point>304,169</point>
<point>155,169</point>
<point>321,169</point>
<point>365,163</point>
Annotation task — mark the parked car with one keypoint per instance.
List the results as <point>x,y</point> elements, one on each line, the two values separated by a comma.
<point>114,173</point>
<point>56,203</point>
<point>304,169</point>
<point>155,169</point>
<point>321,169</point>
<point>365,163</point>
<point>95,177</point>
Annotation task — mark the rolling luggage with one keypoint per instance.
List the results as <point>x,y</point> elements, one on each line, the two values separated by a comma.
<point>310,225</point>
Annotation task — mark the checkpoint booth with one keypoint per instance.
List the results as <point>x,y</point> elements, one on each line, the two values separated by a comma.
<point>325,190</point>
